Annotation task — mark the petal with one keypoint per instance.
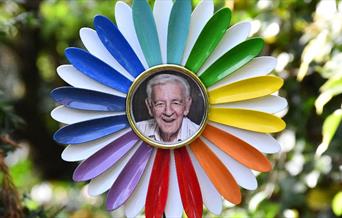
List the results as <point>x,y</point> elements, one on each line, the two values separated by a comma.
<point>84,99</point>
<point>232,60</point>
<point>66,115</point>
<point>136,201</point>
<point>174,207</point>
<point>263,142</point>
<point>124,21</point>
<point>97,69</point>
<point>161,13</point>
<point>129,178</point>
<point>94,45</point>
<point>268,104</point>
<point>90,130</point>
<point>209,38</point>
<point>158,186</point>
<point>105,158</point>
<point>247,119</point>
<point>117,45</point>
<point>211,197</point>
<point>232,37</point>
<point>83,151</point>
<point>217,172</point>
<point>199,18</point>
<point>146,30</point>
<point>103,182</point>
<point>245,89</point>
<point>237,149</point>
<point>188,184</point>
<point>259,66</point>
<point>178,30</point>
<point>77,79</point>
<point>242,175</point>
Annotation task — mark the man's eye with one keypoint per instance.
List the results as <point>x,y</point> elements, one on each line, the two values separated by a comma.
<point>176,103</point>
<point>159,104</point>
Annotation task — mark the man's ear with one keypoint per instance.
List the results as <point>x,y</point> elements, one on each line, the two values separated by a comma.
<point>188,102</point>
<point>149,107</point>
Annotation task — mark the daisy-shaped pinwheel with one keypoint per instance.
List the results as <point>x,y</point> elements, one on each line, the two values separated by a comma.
<point>236,115</point>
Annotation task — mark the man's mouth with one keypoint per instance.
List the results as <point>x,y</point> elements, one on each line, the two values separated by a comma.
<point>168,120</point>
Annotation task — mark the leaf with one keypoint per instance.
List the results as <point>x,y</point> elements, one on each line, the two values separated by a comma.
<point>336,204</point>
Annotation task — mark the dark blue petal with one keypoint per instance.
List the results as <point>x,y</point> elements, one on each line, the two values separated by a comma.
<point>90,130</point>
<point>97,69</point>
<point>117,45</point>
<point>88,100</point>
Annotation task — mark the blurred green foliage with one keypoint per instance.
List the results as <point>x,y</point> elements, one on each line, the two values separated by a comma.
<point>306,38</point>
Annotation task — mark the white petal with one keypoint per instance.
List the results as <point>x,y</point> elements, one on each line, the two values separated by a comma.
<point>94,45</point>
<point>199,17</point>
<point>174,207</point>
<point>211,197</point>
<point>103,182</point>
<point>242,175</point>
<point>161,13</point>
<point>232,37</point>
<point>66,115</point>
<point>77,79</point>
<point>263,142</point>
<point>136,201</point>
<point>268,104</point>
<point>259,66</point>
<point>124,22</point>
<point>82,151</point>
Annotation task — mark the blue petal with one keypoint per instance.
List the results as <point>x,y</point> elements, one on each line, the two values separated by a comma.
<point>146,30</point>
<point>88,100</point>
<point>117,45</point>
<point>178,30</point>
<point>97,69</point>
<point>90,130</point>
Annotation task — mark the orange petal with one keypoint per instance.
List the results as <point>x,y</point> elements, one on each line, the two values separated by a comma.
<point>237,149</point>
<point>217,172</point>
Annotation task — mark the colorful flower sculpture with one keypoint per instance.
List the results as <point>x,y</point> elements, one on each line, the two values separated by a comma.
<point>218,159</point>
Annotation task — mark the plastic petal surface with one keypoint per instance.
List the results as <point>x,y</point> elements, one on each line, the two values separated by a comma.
<point>161,13</point>
<point>178,30</point>
<point>97,69</point>
<point>159,185</point>
<point>146,30</point>
<point>88,99</point>
<point>129,178</point>
<point>209,38</point>
<point>188,184</point>
<point>90,130</point>
<point>232,60</point>
<point>217,172</point>
<point>105,158</point>
<point>74,77</point>
<point>245,89</point>
<point>247,119</point>
<point>117,45</point>
<point>94,45</point>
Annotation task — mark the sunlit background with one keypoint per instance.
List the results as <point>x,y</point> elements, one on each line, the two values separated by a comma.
<point>306,38</point>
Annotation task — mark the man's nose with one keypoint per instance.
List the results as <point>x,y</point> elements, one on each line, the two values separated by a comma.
<point>168,110</point>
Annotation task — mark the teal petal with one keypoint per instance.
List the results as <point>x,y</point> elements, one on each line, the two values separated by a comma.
<point>207,41</point>
<point>232,60</point>
<point>146,30</point>
<point>178,30</point>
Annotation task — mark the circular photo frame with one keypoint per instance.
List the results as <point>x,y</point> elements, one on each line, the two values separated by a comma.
<point>167,106</point>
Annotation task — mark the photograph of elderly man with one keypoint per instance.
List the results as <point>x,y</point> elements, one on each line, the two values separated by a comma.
<point>168,103</point>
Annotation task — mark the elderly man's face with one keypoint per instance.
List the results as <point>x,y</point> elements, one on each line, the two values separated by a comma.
<point>168,106</point>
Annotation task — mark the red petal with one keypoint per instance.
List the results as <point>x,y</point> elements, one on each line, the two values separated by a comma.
<point>158,186</point>
<point>188,184</point>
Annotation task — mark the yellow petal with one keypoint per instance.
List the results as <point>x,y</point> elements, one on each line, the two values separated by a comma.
<point>245,89</point>
<point>247,119</point>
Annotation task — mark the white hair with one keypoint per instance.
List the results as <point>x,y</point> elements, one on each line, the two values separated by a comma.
<point>162,79</point>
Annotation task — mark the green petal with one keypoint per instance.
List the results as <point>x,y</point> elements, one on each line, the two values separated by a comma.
<point>146,30</point>
<point>232,60</point>
<point>207,41</point>
<point>178,30</point>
